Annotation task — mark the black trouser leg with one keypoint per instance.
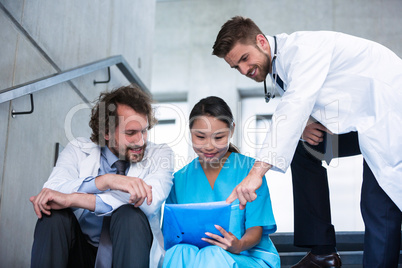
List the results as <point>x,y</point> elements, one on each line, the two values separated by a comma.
<point>382,220</point>
<point>312,215</point>
<point>131,236</point>
<point>312,212</point>
<point>59,242</point>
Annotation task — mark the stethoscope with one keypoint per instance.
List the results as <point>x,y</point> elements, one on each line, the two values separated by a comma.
<point>271,94</point>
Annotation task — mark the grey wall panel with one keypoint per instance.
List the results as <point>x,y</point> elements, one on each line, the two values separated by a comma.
<point>66,34</point>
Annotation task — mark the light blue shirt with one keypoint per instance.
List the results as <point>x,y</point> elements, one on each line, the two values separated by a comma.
<point>91,224</point>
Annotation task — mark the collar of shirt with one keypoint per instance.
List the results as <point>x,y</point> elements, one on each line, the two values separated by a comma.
<point>108,155</point>
<point>271,43</point>
<point>107,160</point>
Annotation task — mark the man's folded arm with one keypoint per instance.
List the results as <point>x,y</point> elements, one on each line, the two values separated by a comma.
<point>159,177</point>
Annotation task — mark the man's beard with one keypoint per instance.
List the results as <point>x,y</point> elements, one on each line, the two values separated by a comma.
<point>265,69</point>
<point>135,158</point>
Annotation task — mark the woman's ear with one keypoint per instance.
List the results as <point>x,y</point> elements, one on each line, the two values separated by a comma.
<point>232,129</point>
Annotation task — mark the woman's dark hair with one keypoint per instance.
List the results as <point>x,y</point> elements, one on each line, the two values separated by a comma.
<point>106,108</point>
<point>215,107</point>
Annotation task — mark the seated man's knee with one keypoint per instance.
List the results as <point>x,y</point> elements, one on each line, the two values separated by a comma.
<point>130,218</point>
<point>63,218</point>
<point>128,214</point>
<point>61,224</point>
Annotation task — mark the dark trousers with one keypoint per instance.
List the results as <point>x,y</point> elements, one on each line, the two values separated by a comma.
<point>382,221</point>
<point>59,242</point>
<point>312,215</point>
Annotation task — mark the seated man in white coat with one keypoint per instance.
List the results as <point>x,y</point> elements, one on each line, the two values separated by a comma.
<point>101,204</point>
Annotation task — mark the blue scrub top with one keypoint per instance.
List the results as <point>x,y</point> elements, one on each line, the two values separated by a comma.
<point>190,185</point>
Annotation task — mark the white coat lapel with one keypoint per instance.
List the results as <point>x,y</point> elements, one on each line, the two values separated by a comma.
<point>90,165</point>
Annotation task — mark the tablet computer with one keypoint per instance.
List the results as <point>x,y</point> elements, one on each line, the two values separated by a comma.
<point>187,223</point>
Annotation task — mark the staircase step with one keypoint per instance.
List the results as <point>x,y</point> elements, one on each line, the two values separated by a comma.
<point>349,258</point>
<point>349,245</point>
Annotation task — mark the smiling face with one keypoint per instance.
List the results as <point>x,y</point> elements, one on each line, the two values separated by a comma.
<point>253,61</point>
<point>210,137</point>
<point>129,139</point>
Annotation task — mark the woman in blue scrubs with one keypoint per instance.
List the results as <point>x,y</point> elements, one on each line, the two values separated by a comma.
<point>211,177</point>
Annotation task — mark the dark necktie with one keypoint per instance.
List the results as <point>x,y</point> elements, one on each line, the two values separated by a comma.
<point>121,167</point>
<point>279,81</point>
<point>104,255</point>
<point>329,154</point>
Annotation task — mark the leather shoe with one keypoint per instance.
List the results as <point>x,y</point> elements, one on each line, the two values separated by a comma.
<point>314,261</point>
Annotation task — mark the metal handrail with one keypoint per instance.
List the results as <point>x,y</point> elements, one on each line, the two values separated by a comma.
<point>54,79</point>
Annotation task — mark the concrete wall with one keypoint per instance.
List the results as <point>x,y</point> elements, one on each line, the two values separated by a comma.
<point>48,36</point>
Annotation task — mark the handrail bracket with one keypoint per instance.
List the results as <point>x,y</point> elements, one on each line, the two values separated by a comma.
<point>14,113</point>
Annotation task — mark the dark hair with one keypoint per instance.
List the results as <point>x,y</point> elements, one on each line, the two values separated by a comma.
<point>215,107</point>
<point>106,107</point>
<point>237,29</point>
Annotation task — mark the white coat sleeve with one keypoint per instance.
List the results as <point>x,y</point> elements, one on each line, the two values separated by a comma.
<point>305,64</point>
<point>159,176</point>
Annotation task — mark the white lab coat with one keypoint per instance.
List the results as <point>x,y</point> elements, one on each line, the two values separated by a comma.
<point>347,84</point>
<point>81,158</point>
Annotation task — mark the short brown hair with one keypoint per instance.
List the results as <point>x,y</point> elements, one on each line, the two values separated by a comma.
<point>237,29</point>
<point>106,107</point>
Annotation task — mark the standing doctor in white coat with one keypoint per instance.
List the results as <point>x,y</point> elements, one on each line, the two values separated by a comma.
<point>347,84</point>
